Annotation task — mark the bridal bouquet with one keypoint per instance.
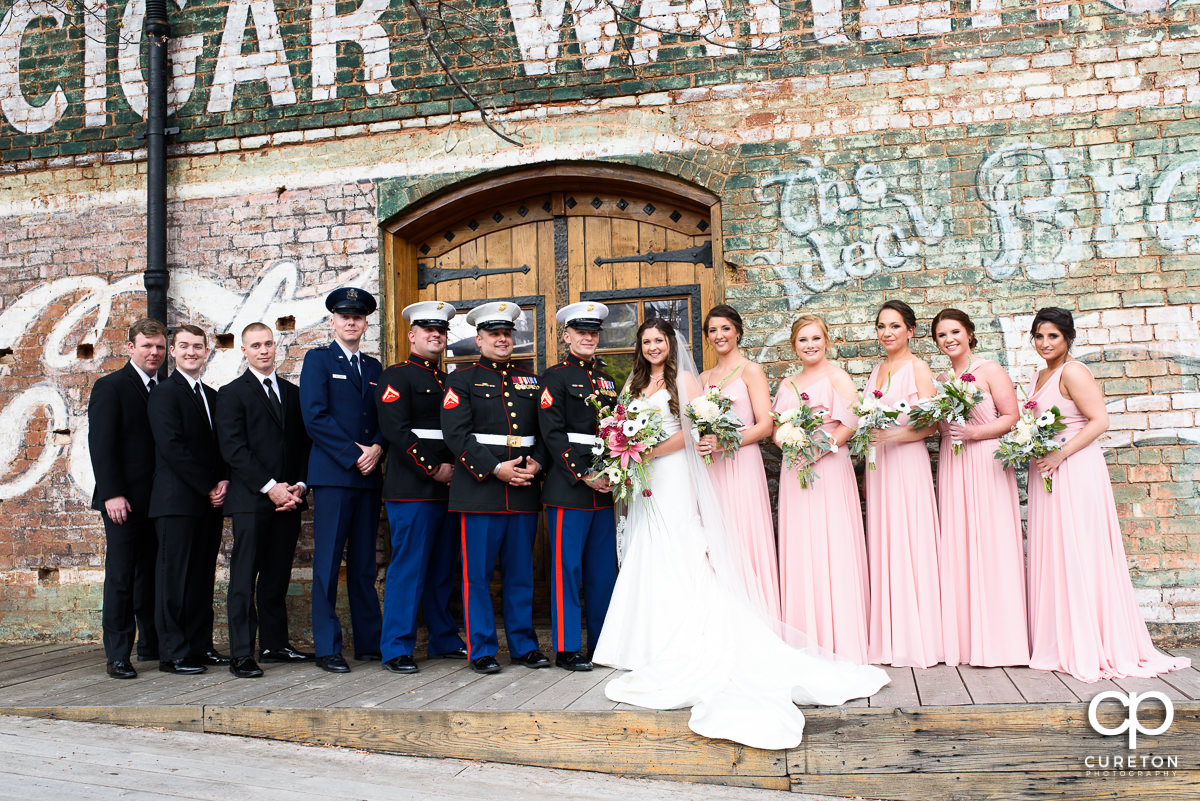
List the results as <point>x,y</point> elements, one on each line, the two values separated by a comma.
<point>1031,438</point>
<point>713,413</point>
<point>872,413</point>
<point>627,429</point>
<point>802,440</point>
<point>952,404</point>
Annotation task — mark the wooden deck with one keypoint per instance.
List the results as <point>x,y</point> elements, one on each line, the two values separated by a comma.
<point>940,733</point>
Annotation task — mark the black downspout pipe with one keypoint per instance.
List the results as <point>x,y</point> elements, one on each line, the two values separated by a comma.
<point>156,278</point>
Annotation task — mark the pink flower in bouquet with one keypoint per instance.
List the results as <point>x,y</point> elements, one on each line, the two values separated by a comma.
<point>617,441</point>
<point>620,412</point>
<point>1031,405</point>
<point>967,377</point>
<point>804,397</point>
<point>877,394</point>
<point>646,493</point>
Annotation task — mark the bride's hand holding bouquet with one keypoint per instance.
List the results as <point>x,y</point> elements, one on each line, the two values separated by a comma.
<point>628,431</point>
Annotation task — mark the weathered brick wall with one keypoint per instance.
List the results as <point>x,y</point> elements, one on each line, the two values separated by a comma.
<point>995,156</point>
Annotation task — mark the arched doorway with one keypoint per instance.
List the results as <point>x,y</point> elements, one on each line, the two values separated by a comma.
<point>639,241</point>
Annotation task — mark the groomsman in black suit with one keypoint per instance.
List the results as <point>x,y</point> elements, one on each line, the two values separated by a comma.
<point>189,490</point>
<point>262,438</point>
<point>122,453</point>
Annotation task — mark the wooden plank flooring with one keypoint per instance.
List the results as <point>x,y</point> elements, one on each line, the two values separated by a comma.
<point>944,732</point>
<point>73,675</point>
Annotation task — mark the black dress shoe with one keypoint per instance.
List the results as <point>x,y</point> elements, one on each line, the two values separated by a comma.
<point>458,653</point>
<point>121,669</point>
<point>244,667</point>
<point>485,664</point>
<point>573,660</point>
<point>182,667</point>
<point>333,664</point>
<point>533,659</point>
<point>368,656</point>
<point>211,657</point>
<point>401,664</point>
<point>285,654</point>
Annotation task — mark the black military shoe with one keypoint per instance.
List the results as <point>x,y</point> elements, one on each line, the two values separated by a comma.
<point>573,660</point>
<point>181,667</point>
<point>244,667</point>
<point>458,653</point>
<point>284,655</point>
<point>533,659</point>
<point>401,664</point>
<point>485,664</point>
<point>333,664</point>
<point>211,657</point>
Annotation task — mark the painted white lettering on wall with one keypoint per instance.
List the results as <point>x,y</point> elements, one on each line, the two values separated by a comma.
<point>1028,191</point>
<point>361,27</point>
<point>18,110</point>
<point>183,52</point>
<point>276,292</point>
<point>269,64</point>
<point>813,205</point>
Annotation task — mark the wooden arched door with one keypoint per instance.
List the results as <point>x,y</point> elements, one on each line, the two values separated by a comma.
<point>640,242</point>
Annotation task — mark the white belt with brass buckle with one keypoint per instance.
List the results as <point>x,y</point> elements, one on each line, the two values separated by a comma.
<point>511,441</point>
<point>427,433</point>
<point>583,439</point>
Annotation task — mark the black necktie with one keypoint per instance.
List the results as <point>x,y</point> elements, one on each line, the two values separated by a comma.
<point>203,405</point>
<point>354,364</point>
<point>274,398</point>
<point>150,385</point>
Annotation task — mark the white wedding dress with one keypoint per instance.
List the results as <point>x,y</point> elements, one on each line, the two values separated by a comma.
<point>691,639</point>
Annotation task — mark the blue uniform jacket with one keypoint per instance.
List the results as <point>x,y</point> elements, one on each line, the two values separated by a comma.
<point>339,411</point>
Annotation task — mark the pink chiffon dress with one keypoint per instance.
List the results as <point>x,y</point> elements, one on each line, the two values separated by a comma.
<point>822,553</point>
<point>741,484</point>
<point>905,627</point>
<point>1084,619</point>
<point>981,553</point>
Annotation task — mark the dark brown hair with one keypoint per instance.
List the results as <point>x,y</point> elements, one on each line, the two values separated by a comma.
<point>188,328</point>
<point>639,377</point>
<point>1059,318</point>
<point>726,312</point>
<point>957,316</point>
<point>903,309</point>
<point>147,328</point>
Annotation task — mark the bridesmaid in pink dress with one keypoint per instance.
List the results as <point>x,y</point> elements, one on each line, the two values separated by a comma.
<point>822,554</point>
<point>1084,619</point>
<point>981,553</point>
<point>741,480</point>
<point>905,627</point>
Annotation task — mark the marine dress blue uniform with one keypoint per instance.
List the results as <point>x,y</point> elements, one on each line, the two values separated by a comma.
<point>490,415</point>
<point>338,404</point>
<point>579,519</point>
<point>425,537</point>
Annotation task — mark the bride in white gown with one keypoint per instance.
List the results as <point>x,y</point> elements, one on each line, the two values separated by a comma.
<point>680,620</point>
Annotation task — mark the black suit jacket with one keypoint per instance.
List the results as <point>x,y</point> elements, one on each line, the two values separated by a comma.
<point>258,443</point>
<point>187,462</point>
<point>119,439</point>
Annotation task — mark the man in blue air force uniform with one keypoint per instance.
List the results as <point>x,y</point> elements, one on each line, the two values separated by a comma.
<point>415,492</point>
<point>337,399</point>
<point>490,422</point>
<point>579,504</point>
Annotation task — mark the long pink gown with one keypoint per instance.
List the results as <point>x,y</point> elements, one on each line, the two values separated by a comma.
<point>741,483</point>
<point>1084,619</point>
<point>822,553</point>
<point>981,553</point>
<point>902,532</point>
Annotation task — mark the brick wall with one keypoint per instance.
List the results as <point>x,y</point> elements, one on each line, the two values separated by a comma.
<point>990,156</point>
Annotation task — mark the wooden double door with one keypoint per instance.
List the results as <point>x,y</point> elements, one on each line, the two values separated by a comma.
<point>641,249</point>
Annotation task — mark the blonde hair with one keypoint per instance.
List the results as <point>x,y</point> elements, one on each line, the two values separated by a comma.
<point>809,319</point>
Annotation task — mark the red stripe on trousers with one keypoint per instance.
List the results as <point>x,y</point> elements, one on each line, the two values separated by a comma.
<point>466,583</point>
<point>558,573</point>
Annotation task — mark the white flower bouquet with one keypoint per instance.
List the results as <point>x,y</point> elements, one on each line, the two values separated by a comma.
<point>1032,438</point>
<point>802,439</point>
<point>952,404</point>
<point>712,413</point>
<point>627,430</point>
<point>872,414</point>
